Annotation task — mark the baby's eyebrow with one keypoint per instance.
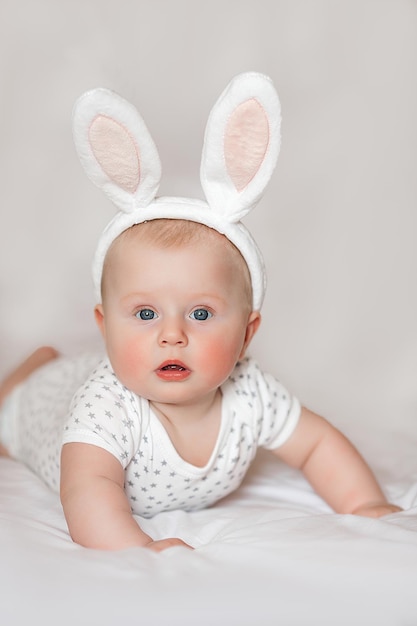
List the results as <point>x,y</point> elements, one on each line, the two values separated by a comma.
<point>204,297</point>
<point>135,297</point>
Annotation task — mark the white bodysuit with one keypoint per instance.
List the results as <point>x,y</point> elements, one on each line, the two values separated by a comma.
<point>257,411</point>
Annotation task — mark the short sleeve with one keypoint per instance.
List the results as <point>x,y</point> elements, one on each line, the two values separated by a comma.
<point>265,404</point>
<point>104,413</point>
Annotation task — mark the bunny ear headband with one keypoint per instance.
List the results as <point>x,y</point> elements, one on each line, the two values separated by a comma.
<point>241,147</point>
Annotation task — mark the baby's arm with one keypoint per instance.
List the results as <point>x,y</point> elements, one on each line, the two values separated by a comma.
<point>95,504</point>
<point>334,468</point>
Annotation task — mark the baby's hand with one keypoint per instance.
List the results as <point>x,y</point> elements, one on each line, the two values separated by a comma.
<point>164,544</point>
<point>376,509</point>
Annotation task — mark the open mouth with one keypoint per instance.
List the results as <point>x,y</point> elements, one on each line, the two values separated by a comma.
<point>173,370</point>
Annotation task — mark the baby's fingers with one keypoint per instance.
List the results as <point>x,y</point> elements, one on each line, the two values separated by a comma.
<point>377,510</point>
<point>164,544</point>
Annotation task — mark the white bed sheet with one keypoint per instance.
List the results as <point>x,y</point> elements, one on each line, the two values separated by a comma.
<point>271,553</point>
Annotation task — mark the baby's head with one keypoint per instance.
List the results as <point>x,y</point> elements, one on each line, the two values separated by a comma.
<point>176,306</point>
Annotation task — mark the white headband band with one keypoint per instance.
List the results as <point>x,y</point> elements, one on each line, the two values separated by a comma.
<point>240,151</point>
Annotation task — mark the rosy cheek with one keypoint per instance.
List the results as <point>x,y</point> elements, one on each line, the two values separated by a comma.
<point>126,357</point>
<point>219,356</point>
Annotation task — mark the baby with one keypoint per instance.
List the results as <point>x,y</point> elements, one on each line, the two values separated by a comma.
<point>172,416</point>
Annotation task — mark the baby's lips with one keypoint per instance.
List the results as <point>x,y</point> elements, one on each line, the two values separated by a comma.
<point>173,371</point>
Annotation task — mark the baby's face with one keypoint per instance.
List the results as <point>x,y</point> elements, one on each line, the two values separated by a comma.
<point>175,320</point>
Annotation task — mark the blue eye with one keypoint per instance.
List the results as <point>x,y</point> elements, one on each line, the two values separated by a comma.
<point>146,315</point>
<point>201,315</point>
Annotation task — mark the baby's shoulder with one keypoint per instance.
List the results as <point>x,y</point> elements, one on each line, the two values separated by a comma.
<point>253,385</point>
<point>101,383</point>
<point>247,373</point>
<point>247,383</point>
<point>260,401</point>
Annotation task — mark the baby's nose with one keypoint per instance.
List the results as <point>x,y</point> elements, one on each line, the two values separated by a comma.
<point>173,333</point>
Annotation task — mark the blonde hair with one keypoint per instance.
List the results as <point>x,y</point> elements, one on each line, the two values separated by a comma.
<point>175,233</point>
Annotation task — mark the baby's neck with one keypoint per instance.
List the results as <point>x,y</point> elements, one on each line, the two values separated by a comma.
<point>193,429</point>
<point>183,415</point>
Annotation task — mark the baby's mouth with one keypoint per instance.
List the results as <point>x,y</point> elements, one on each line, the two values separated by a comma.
<point>173,371</point>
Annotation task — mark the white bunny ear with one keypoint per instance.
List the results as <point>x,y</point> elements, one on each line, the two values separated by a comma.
<point>241,145</point>
<point>116,149</point>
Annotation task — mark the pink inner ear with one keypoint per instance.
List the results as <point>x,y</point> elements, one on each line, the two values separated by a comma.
<point>245,143</point>
<point>116,152</point>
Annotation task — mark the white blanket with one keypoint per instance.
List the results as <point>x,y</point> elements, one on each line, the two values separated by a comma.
<point>272,553</point>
